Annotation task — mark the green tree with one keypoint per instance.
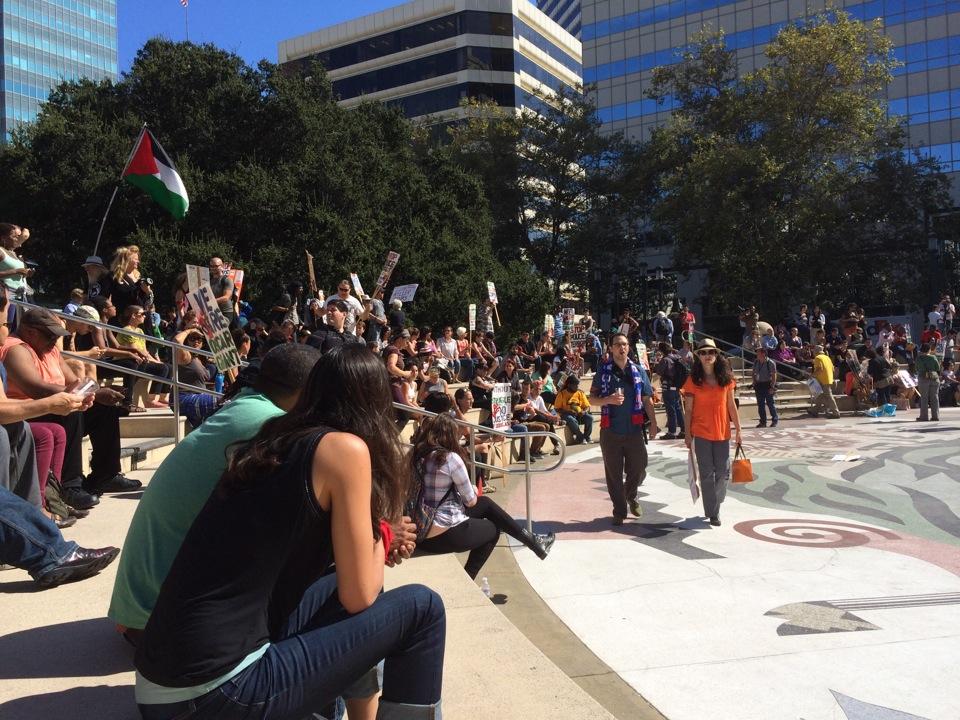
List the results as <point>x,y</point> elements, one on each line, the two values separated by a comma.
<point>273,166</point>
<point>763,177</point>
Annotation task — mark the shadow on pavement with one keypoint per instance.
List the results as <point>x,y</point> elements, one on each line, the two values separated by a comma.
<point>83,648</point>
<point>135,495</point>
<point>101,702</point>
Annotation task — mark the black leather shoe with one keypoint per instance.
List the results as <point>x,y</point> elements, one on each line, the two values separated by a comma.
<point>78,565</point>
<point>617,521</point>
<point>118,483</point>
<point>545,542</point>
<point>715,521</point>
<point>79,498</point>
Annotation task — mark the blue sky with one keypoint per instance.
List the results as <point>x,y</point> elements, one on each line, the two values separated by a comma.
<point>250,29</point>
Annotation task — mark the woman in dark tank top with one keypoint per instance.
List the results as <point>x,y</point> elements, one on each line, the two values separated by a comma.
<point>247,624</point>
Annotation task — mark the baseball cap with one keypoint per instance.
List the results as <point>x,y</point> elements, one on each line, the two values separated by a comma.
<point>44,320</point>
<point>87,312</point>
<point>93,260</point>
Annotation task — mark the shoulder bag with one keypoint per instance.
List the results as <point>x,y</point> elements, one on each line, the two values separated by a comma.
<point>742,468</point>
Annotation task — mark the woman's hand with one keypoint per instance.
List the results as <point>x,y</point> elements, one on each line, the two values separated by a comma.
<point>739,437</point>
<point>688,440</point>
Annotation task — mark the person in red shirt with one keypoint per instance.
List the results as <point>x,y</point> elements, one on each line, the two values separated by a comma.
<point>687,323</point>
<point>931,335</point>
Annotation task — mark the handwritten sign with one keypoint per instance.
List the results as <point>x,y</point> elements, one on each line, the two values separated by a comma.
<point>197,275</point>
<point>568,316</point>
<point>357,287</point>
<point>548,324</point>
<point>472,316</point>
<point>237,275</point>
<point>500,406</point>
<point>215,328</point>
<point>387,271</point>
<point>404,293</point>
<point>492,292</point>
<point>578,338</point>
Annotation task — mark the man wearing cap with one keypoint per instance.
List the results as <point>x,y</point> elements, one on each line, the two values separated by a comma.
<point>623,391</point>
<point>823,373</point>
<point>35,369</point>
<point>99,281</point>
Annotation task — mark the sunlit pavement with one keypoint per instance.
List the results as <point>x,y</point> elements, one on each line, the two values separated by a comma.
<point>832,589</point>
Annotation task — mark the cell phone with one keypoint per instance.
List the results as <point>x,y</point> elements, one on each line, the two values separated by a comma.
<point>86,387</point>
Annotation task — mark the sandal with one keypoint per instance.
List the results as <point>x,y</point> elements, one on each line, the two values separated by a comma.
<point>134,408</point>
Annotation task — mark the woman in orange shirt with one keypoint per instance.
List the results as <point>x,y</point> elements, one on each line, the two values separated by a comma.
<point>709,408</point>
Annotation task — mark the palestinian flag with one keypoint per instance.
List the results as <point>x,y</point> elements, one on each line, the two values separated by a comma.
<point>152,170</point>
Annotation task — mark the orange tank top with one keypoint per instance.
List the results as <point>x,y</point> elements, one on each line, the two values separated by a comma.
<point>48,366</point>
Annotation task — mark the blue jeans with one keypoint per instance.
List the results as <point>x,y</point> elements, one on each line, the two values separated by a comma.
<point>765,400</point>
<point>573,422</point>
<point>29,540</point>
<point>671,403</point>
<point>323,650</point>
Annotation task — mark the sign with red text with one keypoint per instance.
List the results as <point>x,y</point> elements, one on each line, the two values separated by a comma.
<point>215,327</point>
<point>492,292</point>
<point>388,266</point>
<point>404,293</point>
<point>500,407</point>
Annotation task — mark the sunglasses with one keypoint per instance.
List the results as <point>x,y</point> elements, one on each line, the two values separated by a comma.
<point>710,353</point>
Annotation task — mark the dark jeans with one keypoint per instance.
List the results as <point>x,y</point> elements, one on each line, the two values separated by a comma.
<point>323,650</point>
<point>18,463</point>
<point>479,535</point>
<point>158,370</point>
<point>883,394</point>
<point>28,540</point>
<point>671,403</point>
<point>102,424</point>
<point>623,453</point>
<point>573,421</point>
<point>764,401</point>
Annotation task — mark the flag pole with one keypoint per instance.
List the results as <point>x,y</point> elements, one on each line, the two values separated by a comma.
<point>186,20</point>
<point>116,189</point>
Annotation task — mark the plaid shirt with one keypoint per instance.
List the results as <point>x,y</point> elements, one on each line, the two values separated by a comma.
<point>437,479</point>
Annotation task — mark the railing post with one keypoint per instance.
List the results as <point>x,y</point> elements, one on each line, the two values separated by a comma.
<point>473,457</point>
<point>176,400</point>
<point>526,459</point>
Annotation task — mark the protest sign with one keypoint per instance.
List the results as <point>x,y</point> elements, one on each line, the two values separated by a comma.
<point>311,275</point>
<point>568,316</point>
<point>906,379</point>
<point>404,293</point>
<point>492,292</point>
<point>578,338</point>
<point>387,271</point>
<point>500,406</point>
<point>357,287</point>
<point>548,324</point>
<point>642,355</point>
<point>472,316</point>
<point>874,325</point>
<point>237,275</point>
<point>197,275</point>
<point>215,328</point>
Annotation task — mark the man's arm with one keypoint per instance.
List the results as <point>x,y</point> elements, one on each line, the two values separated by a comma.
<point>651,415</point>
<point>24,373</point>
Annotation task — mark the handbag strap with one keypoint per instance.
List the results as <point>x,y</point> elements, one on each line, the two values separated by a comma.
<point>739,453</point>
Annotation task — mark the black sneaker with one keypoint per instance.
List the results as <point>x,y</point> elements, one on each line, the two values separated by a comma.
<point>715,521</point>
<point>617,521</point>
<point>118,483</point>
<point>79,498</point>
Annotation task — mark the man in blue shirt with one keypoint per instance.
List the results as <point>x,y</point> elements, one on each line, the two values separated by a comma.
<point>623,391</point>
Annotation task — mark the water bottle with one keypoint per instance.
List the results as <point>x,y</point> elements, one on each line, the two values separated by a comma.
<point>218,382</point>
<point>485,587</point>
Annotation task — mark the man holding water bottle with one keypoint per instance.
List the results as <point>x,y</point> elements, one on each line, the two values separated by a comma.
<point>622,390</point>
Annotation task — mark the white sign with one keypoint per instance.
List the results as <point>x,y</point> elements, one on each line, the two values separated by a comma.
<point>197,275</point>
<point>387,271</point>
<point>874,325</point>
<point>215,327</point>
<point>500,407</point>
<point>906,379</point>
<point>404,293</point>
<point>568,317</point>
<point>472,316</point>
<point>492,292</point>
<point>548,325</point>
<point>357,287</point>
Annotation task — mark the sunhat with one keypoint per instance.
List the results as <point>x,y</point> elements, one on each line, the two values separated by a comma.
<point>706,344</point>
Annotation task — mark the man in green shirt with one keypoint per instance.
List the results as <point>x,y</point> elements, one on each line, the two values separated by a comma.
<point>928,383</point>
<point>185,479</point>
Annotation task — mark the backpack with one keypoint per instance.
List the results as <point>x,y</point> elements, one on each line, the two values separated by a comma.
<point>417,508</point>
<point>678,373</point>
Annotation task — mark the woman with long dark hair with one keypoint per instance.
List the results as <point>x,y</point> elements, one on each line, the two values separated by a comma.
<point>709,408</point>
<point>464,521</point>
<point>246,622</point>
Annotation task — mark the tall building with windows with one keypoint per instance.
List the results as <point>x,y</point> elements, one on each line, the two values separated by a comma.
<point>48,41</point>
<point>566,13</point>
<point>623,40</point>
<point>427,56</point>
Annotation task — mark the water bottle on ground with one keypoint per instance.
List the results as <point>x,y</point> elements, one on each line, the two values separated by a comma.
<point>485,587</point>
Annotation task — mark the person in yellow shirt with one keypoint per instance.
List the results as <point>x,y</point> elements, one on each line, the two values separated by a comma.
<point>823,373</point>
<point>574,409</point>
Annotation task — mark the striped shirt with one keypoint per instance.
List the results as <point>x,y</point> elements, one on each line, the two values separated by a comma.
<point>437,479</point>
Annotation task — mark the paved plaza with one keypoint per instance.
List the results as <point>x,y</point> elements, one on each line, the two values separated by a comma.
<point>831,591</point>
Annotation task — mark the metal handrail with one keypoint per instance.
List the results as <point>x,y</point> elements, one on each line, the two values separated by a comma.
<point>792,368</point>
<point>173,381</point>
<point>473,463</point>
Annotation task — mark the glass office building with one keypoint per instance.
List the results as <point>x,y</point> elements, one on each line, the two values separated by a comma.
<point>426,57</point>
<point>623,40</point>
<point>566,13</point>
<point>48,41</point>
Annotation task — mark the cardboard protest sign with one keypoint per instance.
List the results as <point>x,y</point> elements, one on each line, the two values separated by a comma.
<point>642,355</point>
<point>215,328</point>
<point>906,379</point>
<point>387,271</point>
<point>500,408</point>
<point>357,287</point>
<point>548,324</point>
<point>404,293</point>
<point>578,337</point>
<point>197,275</point>
<point>568,317</point>
<point>472,316</point>
<point>237,275</point>
<point>492,292</point>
